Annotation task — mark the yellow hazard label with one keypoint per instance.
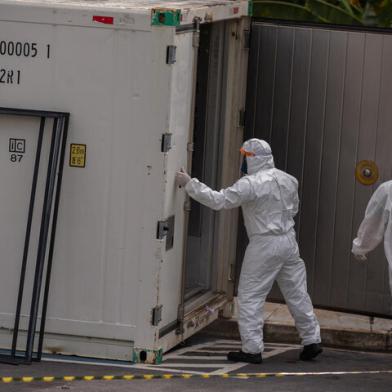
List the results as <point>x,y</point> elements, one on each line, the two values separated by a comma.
<point>77,156</point>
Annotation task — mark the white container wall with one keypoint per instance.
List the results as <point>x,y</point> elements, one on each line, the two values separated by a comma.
<point>126,74</point>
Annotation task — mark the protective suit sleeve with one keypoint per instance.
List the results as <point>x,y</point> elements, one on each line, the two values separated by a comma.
<point>232,197</point>
<point>372,229</point>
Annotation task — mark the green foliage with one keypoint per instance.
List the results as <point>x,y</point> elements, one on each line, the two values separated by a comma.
<point>345,12</point>
<point>283,10</point>
<point>333,13</point>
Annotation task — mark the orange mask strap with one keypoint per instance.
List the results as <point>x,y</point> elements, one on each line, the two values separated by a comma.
<point>246,153</point>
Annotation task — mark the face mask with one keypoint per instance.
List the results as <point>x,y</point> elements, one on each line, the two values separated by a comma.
<point>244,166</point>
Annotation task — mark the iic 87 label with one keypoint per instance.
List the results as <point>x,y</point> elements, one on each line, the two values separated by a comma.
<point>17,147</point>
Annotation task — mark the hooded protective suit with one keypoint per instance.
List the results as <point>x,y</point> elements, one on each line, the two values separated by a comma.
<point>269,201</point>
<point>377,225</point>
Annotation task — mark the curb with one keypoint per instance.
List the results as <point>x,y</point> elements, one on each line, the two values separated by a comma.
<point>184,376</point>
<point>280,333</point>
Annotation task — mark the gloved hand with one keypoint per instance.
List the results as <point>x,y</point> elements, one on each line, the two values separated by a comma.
<point>182,178</point>
<point>360,257</point>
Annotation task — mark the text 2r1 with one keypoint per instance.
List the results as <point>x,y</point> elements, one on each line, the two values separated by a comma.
<point>9,76</point>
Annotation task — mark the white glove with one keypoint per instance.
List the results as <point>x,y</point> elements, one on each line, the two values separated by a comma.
<point>360,257</point>
<point>182,178</point>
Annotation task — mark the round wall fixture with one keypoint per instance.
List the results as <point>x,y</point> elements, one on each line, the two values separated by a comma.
<point>367,173</point>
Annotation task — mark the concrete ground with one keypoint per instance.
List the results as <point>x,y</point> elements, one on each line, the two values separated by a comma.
<point>338,329</point>
<point>205,355</point>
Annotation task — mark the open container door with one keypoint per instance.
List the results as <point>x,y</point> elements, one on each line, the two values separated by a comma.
<point>173,229</point>
<point>208,92</point>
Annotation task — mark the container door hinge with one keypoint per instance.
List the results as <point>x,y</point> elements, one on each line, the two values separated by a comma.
<point>171,54</point>
<point>231,273</point>
<point>190,147</point>
<point>187,205</point>
<point>166,229</point>
<point>196,32</point>
<point>156,315</point>
<point>180,328</point>
<point>166,142</point>
<point>247,36</point>
<point>241,119</point>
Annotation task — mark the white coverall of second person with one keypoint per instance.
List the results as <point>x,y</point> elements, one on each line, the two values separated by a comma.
<point>376,226</point>
<point>269,201</point>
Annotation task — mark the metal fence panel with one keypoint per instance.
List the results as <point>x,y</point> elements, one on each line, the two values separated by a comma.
<point>322,99</point>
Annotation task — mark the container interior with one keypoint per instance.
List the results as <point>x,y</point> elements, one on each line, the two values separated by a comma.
<point>206,160</point>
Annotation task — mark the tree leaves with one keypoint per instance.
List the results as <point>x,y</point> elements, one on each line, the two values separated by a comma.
<point>343,12</point>
<point>332,13</point>
<point>283,10</point>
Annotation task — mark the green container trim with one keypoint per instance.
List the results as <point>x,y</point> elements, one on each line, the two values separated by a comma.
<point>250,8</point>
<point>165,17</point>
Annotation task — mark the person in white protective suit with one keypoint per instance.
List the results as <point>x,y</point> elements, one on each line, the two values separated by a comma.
<point>269,201</point>
<point>376,226</point>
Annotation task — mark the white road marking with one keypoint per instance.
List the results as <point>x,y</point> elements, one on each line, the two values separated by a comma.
<point>239,365</point>
<point>183,350</point>
<point>189,365</point>
<point>230,368</point>
<point>225,367</point>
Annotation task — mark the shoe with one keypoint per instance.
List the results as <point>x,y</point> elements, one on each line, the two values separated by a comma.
<point>310,351</point>
<point>240,356</point>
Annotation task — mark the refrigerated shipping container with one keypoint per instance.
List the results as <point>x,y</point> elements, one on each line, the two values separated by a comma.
<point>100,104</point>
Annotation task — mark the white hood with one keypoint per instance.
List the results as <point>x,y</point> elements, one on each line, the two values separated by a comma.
<point>262,159</point>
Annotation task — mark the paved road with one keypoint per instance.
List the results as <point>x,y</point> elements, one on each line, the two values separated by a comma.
<point>206,356</point>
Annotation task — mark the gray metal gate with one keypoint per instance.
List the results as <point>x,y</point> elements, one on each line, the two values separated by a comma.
<point>323,99</point>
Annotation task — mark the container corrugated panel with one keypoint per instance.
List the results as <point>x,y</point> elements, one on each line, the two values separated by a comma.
<point>106,64</point>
